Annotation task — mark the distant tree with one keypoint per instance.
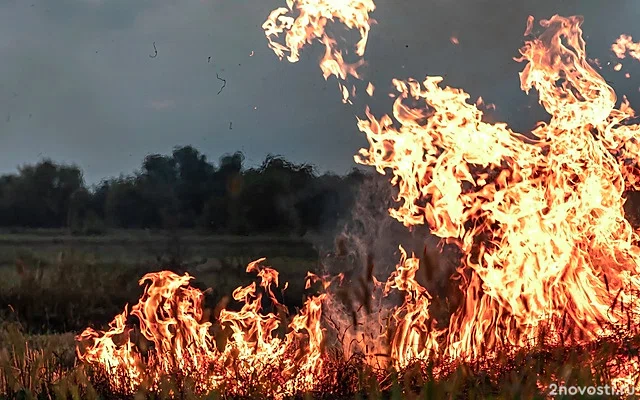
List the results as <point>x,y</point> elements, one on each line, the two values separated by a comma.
<point>39,195</point>
<point>68,181</point>
<point>126,206</point>
<point>157,184</point>
<point>181,190</point>
<point>193,189</point>
<point>161,170</point>
<point>8,203</point>
<point>79,208</point>
<point>99,198</point>
<point>222,211</point>
<point>271,193</point>
<point>318,205</point>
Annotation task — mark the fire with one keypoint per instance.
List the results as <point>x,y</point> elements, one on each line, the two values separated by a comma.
<point>415,336</point>
<point>548,254</point>
<point>311,23</point>
<point>170,314</point>
<point>370,89</point>
<point>625,45</point>
<point>540,219</point>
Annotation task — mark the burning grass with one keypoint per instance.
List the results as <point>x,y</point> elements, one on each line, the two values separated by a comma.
<point>45,367</point>
<point>547,282</point>
<point>36,366</point>
<point>548,274</point>
<point>237,366</point>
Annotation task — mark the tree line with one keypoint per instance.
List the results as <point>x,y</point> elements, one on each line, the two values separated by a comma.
<point>181,190</point>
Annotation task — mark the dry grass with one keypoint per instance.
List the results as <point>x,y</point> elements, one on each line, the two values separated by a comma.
<point>37,367</point>
<point>68,294</point>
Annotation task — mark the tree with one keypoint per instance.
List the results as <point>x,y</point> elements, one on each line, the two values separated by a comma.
<point>79,207</point>
<point>8,210</point>
<point>193,188</point>
<point>99,199</point>
<point>222,211</point>
<point>271,193</point>
<point>68,181</point>
<point>125,205</point>
<point>39,195</point>
<point>159,169</point>
<point>157,185</point>
<point>178,191</point>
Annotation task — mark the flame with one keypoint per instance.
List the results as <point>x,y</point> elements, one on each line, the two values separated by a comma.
<point>540,219</point>
<point>547,251</point>
<point>624,46</point>
<point>170,314</point>
<point>480,103</point>
<point>415,336</point>
<point>370,89</point>
<point>311,24</point>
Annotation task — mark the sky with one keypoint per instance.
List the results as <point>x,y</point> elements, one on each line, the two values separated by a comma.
<point>78,85</point>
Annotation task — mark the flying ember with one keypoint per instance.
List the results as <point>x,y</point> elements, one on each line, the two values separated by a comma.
<point>547,253</point>
<point>625,45</point>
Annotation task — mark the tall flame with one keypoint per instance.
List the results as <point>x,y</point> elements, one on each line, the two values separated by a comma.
<point>540,220</point>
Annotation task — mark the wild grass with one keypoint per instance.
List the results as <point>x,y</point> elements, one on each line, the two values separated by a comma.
<point>33,367</point>
<point>45,302</point>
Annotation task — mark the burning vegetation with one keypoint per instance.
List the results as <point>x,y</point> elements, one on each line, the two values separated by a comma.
<point>549,257</point>
<point>549,265</point>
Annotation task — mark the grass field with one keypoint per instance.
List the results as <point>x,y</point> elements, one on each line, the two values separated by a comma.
<point>53,285</point>
<point>135,246</point>
<point>46,274</point>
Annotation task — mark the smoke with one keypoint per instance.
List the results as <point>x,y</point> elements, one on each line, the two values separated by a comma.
<point>359,315</point>
<point>370,235</point>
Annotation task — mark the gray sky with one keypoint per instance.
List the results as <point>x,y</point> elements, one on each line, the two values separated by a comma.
<point>77,83</point>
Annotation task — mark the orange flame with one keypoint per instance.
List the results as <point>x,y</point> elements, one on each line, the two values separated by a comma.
<point>370,89</point>
<point>170,315</point>
<point>311,24</point>
<point>539,218</point>
<point>415,336</point>
<point>625,45</point>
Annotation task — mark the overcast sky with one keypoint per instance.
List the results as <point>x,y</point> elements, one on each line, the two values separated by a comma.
<point>77,83</point>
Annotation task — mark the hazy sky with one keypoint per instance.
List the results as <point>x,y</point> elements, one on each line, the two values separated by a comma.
<point>77,83</point>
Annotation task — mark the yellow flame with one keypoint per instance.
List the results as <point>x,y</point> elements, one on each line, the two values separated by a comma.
<point>625,45</point>
<point>310,25</point>
<point>170,315</point>
<point>539,219</point>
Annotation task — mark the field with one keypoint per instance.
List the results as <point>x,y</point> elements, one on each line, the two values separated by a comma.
<point>54,285</point>
<point>106,269</point>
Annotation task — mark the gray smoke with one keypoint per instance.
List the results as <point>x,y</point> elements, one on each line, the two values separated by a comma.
<point>370,232</point>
